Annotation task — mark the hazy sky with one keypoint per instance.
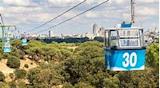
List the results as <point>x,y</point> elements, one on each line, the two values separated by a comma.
<point>27,14</point>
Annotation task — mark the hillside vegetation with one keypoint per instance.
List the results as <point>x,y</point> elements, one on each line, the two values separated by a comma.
<point>72,65</point>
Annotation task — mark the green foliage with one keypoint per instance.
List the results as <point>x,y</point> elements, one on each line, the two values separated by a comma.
<point>49,52</point>
<point>146,79</point>
<point>6,55</point>
<point>4,85</point>
<point>16,53</point>
<point>90,50</point>
<point>13,84</point>
<point>20,73</point>
<point>1,55</point>
<point>66,54</point>
<point>83,85</point>
<point>16,43</point>
<point>153,55</point>
<point>82,67</point>
<point>67,85</point>
<point>45,76</point>
<point>21,84</point>
<point>13,62</point>
<point>2,76</point>
<point>86,68</point>
<point>138,79</point>
<point>26,66</point>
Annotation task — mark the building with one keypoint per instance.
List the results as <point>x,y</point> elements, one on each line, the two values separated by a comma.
<point>50,34</point>
<point>101,32</point>
<point>95,29</point>
<point>152,35</point>
<point>90,36</point>
<point>98,31</point>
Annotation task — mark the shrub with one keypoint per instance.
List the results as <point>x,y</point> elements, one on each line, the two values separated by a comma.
<point>4,85</point>
<point>83,85</point>
<point>15,52</point>
<point>1,56</point>
<point>2,77</point>
<point>12,84</point>
<point>20,73</point>
<point>13,62</point>
<point>153,55</point>
<point>21,84</point>
<point>44,77</point>
<point>26,66</point>
<point>67,85</point>
<point>6,55</point>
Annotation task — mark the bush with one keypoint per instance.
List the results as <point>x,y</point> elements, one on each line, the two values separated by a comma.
<point>15,52</point>
<point>1,55</point>
<point>4,85</point>
<point>20,73</point>
<point>26,66</point>
<point>2,77</point>
<point>83,85</point>
<point>12,84</point>
<point>6,55</point>
<point>44,76</point>
<point>13,62</point>
<point>21,84</point>
<point>153,55</point>
<point>67,85</point>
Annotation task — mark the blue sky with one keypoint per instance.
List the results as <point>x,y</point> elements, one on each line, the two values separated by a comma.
<point>27,14</point>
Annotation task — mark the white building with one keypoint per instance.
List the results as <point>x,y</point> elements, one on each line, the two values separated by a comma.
<point>95,29</point>
<point>90,36</point>
<point>50,34</point>
<point>98,31</point>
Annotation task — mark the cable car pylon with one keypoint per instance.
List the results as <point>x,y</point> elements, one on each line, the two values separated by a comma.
<point>6,46</point>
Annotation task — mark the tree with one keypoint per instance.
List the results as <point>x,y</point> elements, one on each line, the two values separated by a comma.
<point>67,85</point>
<point>13,62</point>
<point>153,55</point>
<point>21,84</point>
<point>83,85</point>
<point>87,68</point>
<point>46,76</point>
<point>2,77</point>
<point>4,85</point>
<point>12,84</point>
<point>100,39</point>
<point>20,73</point>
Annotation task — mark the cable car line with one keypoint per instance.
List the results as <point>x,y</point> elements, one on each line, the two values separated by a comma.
<point>59,15</point>
<point>74,16</point>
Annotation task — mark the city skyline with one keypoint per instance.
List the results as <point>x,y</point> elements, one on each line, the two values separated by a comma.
<point>27,14</point>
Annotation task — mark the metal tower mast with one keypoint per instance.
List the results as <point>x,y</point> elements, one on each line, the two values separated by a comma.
<point>1,19</point>
<point>132,11</point>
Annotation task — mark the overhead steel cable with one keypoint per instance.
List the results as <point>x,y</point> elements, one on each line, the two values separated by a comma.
<point>74,16</point>
<point>59,15</point>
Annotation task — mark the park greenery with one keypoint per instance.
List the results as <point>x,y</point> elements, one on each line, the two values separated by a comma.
<point>74,65</point>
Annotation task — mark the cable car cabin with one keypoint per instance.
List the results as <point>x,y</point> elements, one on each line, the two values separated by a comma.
<point>7,46</point>
<point>24,41</point>
<point>124,49</point>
